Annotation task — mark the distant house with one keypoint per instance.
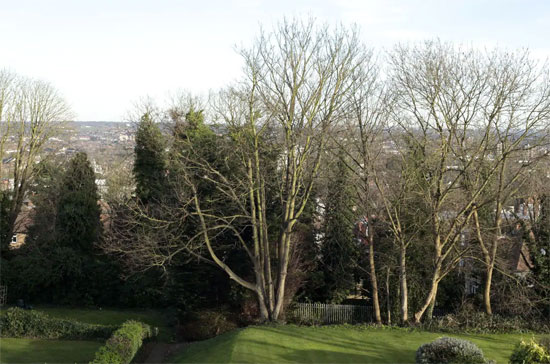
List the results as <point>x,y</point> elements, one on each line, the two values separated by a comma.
<point>105,215</point>
<point>513,255</point>
<point>6,184</point>
<point>518,257</point>
<point>26,217</point>
<point>22,223</point>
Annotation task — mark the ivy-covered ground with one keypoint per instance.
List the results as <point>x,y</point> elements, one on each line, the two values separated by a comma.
<point>330,344</point>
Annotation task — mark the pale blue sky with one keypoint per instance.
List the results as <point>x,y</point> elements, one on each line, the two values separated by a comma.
<point>104,55</point>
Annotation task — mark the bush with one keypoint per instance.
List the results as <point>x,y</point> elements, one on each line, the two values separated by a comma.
<point>530,352</point>
<point>17,322</point>
<point>450,350</point>
<point>204,325</point>
<point>545,343</point>
<point>125,342</point>
<point>480,322</point>
<point>313,319</point>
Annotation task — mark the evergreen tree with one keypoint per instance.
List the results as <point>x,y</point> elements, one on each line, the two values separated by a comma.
<point>78,213</point>
<point>150,160</point>
<point>339,248</point>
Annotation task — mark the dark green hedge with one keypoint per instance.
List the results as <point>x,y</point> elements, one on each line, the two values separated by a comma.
<point>16,322</point>
<point>125,342</point>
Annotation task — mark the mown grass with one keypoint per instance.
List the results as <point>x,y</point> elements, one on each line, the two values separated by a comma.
<point>330,344</point>
<point>47,351</point>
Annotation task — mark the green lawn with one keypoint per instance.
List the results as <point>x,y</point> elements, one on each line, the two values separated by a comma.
<point>329,344</point>
<point>47,351</point>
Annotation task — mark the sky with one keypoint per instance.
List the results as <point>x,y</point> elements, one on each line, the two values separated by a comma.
<point>105,55</point>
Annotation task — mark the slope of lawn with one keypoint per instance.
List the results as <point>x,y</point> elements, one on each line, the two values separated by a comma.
<point>330,344</point>
<point>47,351</point>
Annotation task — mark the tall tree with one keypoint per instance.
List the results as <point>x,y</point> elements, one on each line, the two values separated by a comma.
<point>150,160</point>
<point>31,112</point>
<point>294,89</point>
<point>296,81</point>
<point>517,114</point>
<point>451,105</point>
<point>78,214</point>
<point>339,247</point>
<point>370,106</point>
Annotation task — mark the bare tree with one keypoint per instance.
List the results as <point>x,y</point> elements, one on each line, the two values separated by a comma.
<point>444,95</point>
<point>297,79</point>
<point>273,128</point>
<point>516,115</point>
<point>369,107</point>
<point>31,112</point>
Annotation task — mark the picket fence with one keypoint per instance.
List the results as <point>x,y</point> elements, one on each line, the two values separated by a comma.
<point>323,313</point>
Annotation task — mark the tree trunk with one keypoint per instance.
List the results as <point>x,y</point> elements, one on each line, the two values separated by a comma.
<point>488,257</point>
<point>281,279</point>
<point>430,311</point>
<point>388,302</point>
<point>403,285</point>
<point>487,290</point>
<point>431,297</point>
<point>374,283</point>
<point>264,313</point>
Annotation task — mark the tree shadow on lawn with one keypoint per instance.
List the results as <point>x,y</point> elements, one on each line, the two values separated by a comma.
<point>320,336</point>
<point>270,352</point>
<point>328,356</point>
<point>355,340</point>
<point>384,346</point>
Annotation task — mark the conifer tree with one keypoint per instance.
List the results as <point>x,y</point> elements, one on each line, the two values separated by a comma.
<point>339,247</point>
<point>78,213</point>
<point>150,160</point>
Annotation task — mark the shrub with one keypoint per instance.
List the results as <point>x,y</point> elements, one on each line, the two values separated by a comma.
<point>480,322</point>
<point>449,350</point>
<point>125,342</point>
<point>204,325</point>
<point>545,343</point>
<point>530,352</point>
<point>17,322</point>
<point>313,319</point>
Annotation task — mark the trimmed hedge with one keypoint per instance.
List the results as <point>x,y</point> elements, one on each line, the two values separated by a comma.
<point>450,350</point>
<point>531,352</point>
<point>19,323</point>
<point>125,342</point>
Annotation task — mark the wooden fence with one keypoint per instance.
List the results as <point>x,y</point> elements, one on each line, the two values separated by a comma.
<point>322,313</point>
